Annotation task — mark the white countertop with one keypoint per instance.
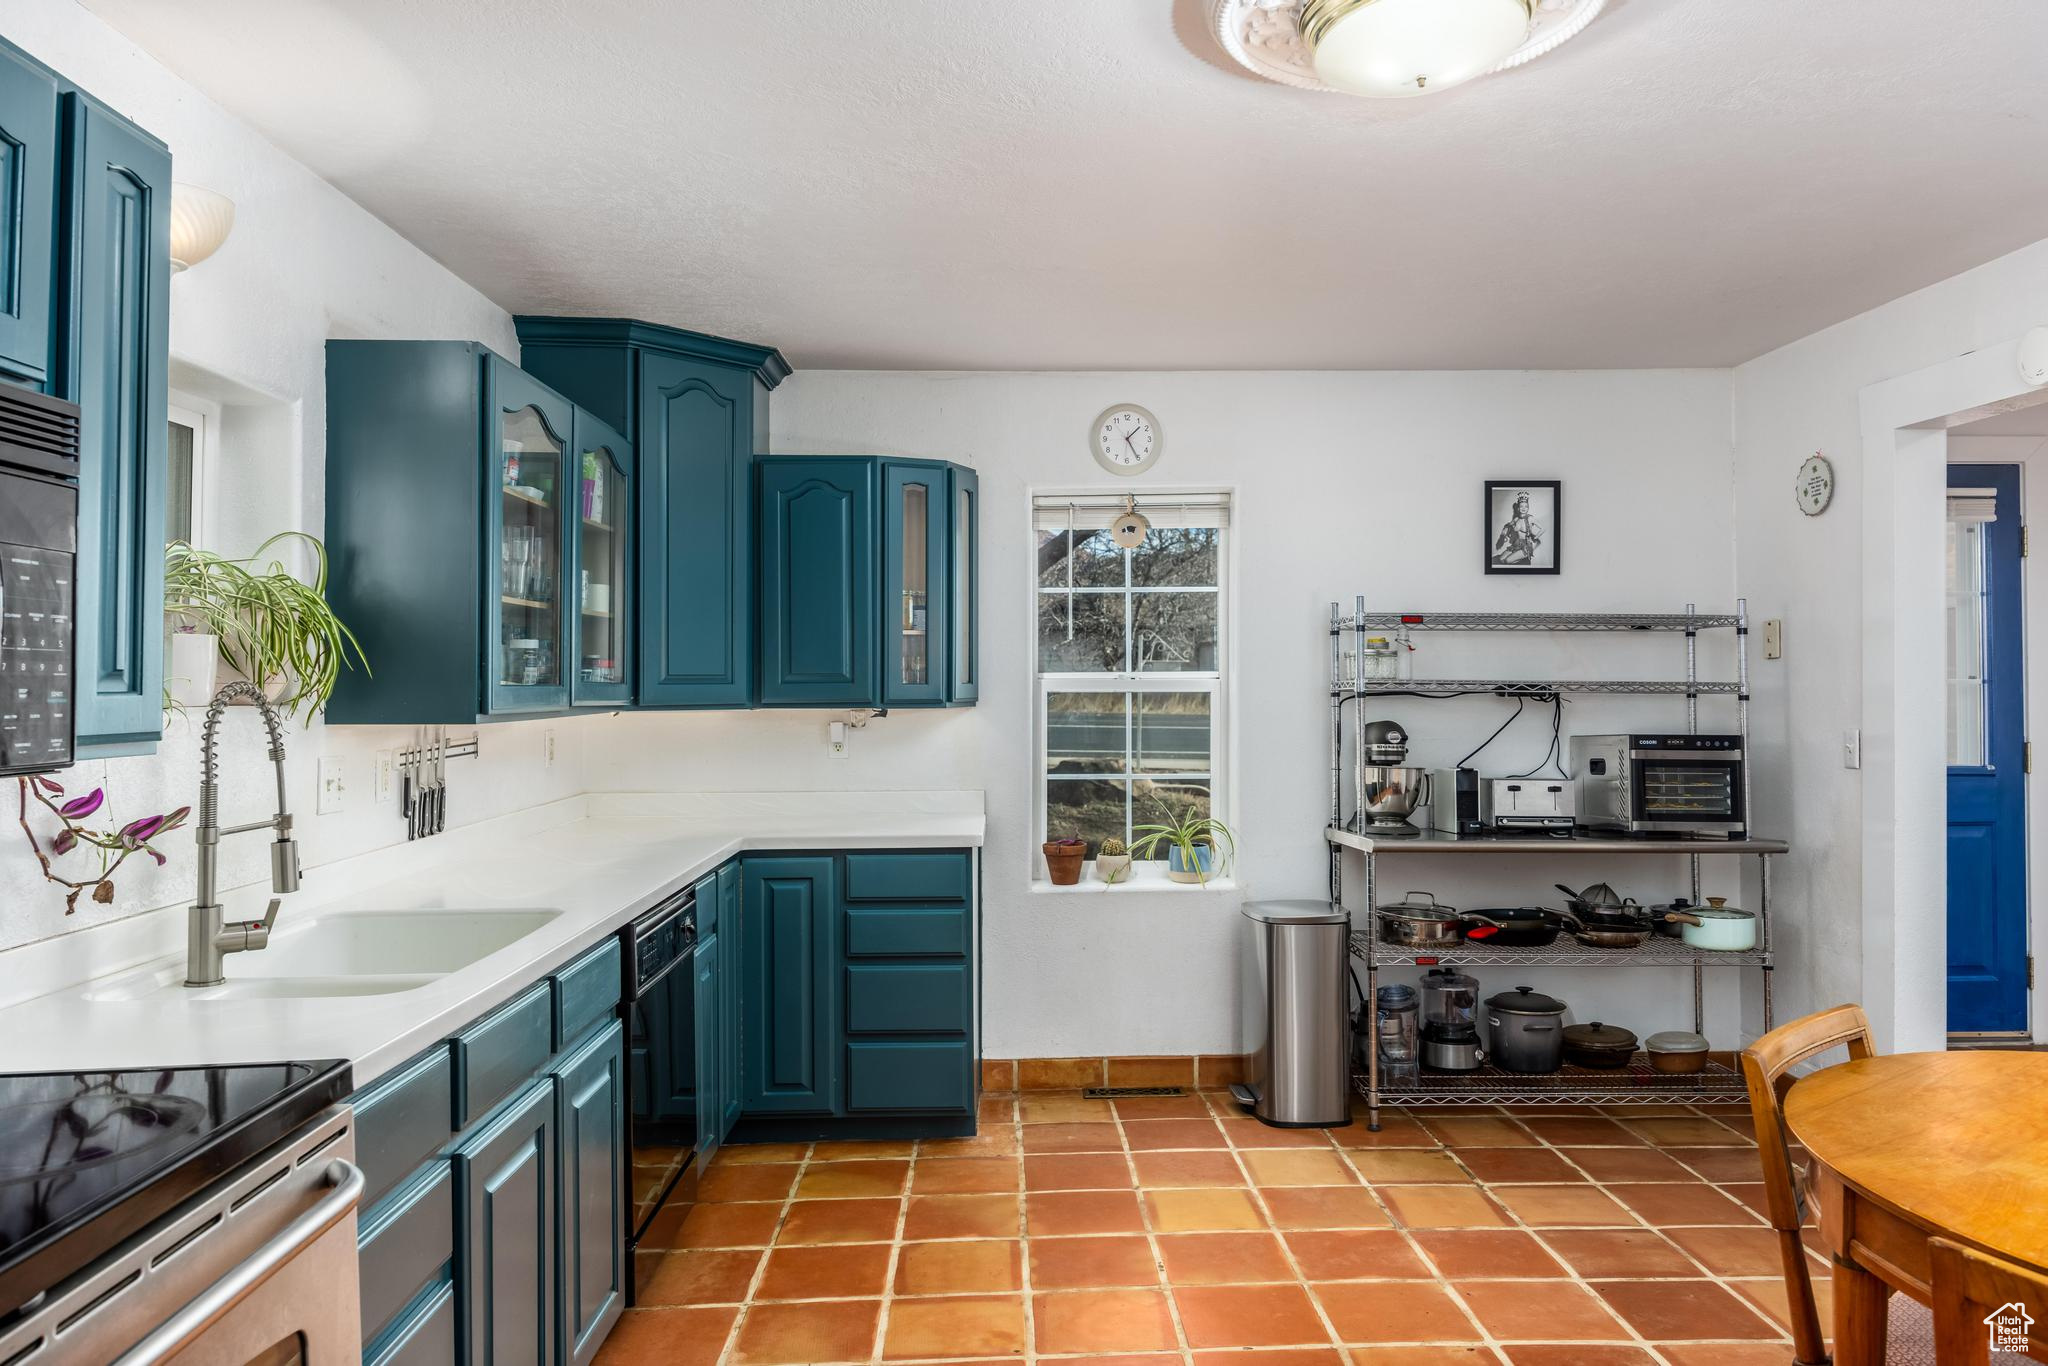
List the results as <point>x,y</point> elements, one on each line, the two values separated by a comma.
<point>599,860</point>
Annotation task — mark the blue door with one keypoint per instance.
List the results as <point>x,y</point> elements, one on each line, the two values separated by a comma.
<point>1987,842</point>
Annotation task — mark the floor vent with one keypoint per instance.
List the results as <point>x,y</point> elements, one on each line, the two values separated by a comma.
<point>1126,1092</point>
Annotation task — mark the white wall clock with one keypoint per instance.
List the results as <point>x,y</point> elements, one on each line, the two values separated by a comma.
<point>1126,439</point>
<point>1815,486</point>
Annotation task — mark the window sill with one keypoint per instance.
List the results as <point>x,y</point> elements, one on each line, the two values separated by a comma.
<point>1140,881</point>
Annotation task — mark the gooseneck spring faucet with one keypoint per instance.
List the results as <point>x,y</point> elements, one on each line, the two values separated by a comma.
<point>208,940</point>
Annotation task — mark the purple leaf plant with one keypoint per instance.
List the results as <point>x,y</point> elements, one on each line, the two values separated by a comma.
<point>112,848</point>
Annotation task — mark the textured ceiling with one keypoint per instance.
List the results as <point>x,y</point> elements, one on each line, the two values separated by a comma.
<point>1085,184</point>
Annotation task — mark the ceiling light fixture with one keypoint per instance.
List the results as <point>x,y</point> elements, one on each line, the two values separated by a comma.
<point>1393,48</point>
<point>200,221</point>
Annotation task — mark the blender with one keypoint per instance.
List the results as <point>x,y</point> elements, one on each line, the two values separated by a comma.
<point>1450,1021</point>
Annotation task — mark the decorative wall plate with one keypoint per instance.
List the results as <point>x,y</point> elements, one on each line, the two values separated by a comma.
<point>1265,36</point>
<point>1814,487</point>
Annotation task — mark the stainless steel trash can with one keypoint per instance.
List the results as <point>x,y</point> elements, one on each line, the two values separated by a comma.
<point>1296,1027</point>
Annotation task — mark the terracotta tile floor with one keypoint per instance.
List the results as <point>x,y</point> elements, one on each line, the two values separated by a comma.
<point>1154,1232</point>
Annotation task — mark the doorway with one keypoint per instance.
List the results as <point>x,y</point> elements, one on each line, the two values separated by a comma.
<point>1988,967</point>
<point>1907,424</point>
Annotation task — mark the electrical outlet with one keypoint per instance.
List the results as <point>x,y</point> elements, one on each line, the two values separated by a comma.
<point>1774,638</point>
<point>384,783</point>
<point>550,746</point>
<point>1852,749</point>
<point>333,790</point>
<point>835,743</point>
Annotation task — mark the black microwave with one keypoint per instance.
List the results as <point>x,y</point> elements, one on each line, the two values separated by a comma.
<point>38,594</point>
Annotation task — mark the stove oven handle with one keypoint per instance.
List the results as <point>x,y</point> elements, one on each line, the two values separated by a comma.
<point>183,1328</point>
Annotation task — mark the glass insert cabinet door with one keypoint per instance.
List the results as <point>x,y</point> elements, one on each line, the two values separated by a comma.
<point>918,625</point>
<point>603,522</point>
<point>966,498</point>
<point>535,487</point>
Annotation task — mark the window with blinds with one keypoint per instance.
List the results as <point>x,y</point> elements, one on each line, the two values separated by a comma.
<point>1130,664</point>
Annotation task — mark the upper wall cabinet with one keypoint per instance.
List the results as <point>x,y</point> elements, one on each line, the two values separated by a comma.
<point>867,577</point>
<point>28,217</point>
<point>85,271</point>
<point>694,409</point>
<point>437,449</point>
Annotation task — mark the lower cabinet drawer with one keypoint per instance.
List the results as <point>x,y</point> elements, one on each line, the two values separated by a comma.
<point>405,1242</point>
<point>909,1076</point>
<point>586,991</point>
<point>497,1053</point>
<point>937,876</point>
<point>427,1337</point>
<point>907,998</point>
<point>906,932</point>
<point>401,1119</point>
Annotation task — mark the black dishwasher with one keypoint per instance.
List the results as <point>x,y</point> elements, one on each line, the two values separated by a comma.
<point>658,998</point>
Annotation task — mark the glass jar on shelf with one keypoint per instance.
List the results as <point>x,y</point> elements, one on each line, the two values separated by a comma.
<point>1396,1030</point>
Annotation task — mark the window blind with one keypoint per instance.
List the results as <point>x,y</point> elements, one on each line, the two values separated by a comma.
<point>1094,512</point>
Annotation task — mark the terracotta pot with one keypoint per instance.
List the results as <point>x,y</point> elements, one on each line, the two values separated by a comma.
<point>1063,859</point>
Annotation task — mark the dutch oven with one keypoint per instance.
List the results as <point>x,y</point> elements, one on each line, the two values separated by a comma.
<point>1716,925</point>
<point>1677,1050</point>
<point>1525,1031</point>
<point>1598,1045</point>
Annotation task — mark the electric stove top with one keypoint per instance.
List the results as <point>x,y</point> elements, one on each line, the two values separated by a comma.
<point>88,1159</point>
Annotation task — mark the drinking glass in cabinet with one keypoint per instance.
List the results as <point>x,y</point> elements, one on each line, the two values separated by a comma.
<point>602,573</point>
<point>530,558</point>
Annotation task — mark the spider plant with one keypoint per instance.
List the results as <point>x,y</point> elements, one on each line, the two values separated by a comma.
<point>1185,833</point>
<point>273,626</point>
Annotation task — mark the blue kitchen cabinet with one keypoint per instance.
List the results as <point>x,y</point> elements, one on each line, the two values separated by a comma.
<point>916,583</point>
<point>426,438</point>
<point>28,217</point>
<point>590,1088</point>
<point>115,359</point>
<point>819,601</point>
<point>694,408</point>
<point>861,568</point>
<point>859,995</point>
<point>85,269</point>
<point>505,1173</point>
<point>601,567</point>
<point>730,998</point>
<point>963,679</point>
<point>789,917</point>
<point>712,1083</point>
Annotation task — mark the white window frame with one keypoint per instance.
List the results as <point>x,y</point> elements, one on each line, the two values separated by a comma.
<point>202,415</point>
<point>1216,683</point>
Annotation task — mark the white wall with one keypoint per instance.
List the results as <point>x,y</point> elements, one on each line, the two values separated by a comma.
<point>249,326</point>
<point>1346,483</point>
<point>1787,404</point>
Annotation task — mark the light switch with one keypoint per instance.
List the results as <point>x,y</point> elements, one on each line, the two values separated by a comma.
<point>1774,638</point>
<point>1852,749</point>
<point>332,789</point>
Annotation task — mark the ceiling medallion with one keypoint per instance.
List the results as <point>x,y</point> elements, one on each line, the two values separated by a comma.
<point>1352,38</point>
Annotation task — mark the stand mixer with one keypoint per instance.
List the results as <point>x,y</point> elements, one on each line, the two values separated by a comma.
<point>1388,791</point>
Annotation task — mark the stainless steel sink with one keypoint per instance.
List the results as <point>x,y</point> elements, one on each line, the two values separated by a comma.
<point>343,953</point>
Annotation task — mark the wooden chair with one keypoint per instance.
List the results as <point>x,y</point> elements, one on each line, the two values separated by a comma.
<point>1970,1286</point>
<point>1767,1069</point>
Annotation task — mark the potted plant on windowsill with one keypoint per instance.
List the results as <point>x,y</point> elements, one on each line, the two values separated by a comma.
<point>1113,861</point>
<point>1197,847</point>
<point>266,624</point>
<point>1063,860</point>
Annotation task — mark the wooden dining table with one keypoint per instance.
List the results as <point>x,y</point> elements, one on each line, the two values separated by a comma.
<point>1915,1146</point>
